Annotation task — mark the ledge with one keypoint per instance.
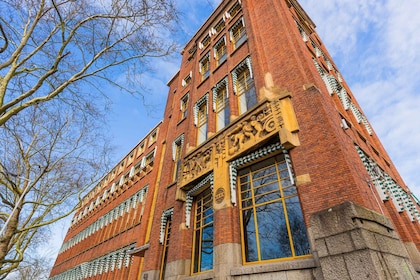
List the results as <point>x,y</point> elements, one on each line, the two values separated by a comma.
<point>139,251</point>
<point>308,263</point>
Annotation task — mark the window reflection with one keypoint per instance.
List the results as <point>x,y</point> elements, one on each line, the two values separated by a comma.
<point>273,226</point>
<point>203,243</point>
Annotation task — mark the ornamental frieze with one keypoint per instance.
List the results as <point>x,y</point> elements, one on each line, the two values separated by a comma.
<point>198,164</point>
<point>257,125</point>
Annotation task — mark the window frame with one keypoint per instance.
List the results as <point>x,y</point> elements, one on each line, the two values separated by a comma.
<point>247,98</point>
<point>235,9</point>
<point>184,105</point>
<point>201,122</point>
<point>220,25</point>
<point>187,80</point>
<point>222,113</point>
<point>205,41</point>
<point>204,66</point>
<point>220,45</point>
<point>250,200</point>
<point>177,147</point>
<point>153,137</point>
<point>205,221</point>
<point>238,33</point>
<point>164,238</point>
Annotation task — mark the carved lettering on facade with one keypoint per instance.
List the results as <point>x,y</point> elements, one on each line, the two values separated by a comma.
<point>197,165</point>
<point>277,112</point>
<point>255,126</point>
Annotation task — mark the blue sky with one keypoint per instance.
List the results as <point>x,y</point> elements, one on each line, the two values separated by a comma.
<point>375,46</point>
<point>373,42</point>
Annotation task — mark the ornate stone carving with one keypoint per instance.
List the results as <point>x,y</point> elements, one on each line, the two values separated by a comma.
<point>197,165</point>
<point>251,130</point>
<point>262,122</point>
<point>220,151</point>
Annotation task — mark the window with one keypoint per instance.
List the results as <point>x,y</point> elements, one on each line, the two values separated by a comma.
<point>236,8</point>
<point>271,216</point>
<point>205,42</point>
<point>200,118</point>
<point>205,66</point>
<point>220,51</point>
<point>184,106</point>
<point>153,137</point>
<point>141,148</point>
<point>202,122</point>
<point>244,86</point>
<point>165,235</point>
<point>176,155</point>
<point>187,80</point>
<point>219,26</point>
<point>203,233</point>
<point>131,157</point>
<point>237,33</point>
<point>121,166</point>
<point>221,104</point>
<point>165,249</point>
<point>149,158</point>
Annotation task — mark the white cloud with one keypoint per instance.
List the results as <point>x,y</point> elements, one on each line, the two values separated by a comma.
<point>375,44</point>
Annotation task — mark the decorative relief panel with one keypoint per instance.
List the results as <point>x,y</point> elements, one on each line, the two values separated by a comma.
<point>196,165</point>
<point>260,125</point>
<point>255,126</point>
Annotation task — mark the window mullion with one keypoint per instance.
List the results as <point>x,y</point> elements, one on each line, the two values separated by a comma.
<point>286,216</point>
<point>254,210</point>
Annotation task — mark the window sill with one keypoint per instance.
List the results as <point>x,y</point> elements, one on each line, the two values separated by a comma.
<point>182,120</point>
<point>306,263</point>
<point>203,81</point>
<point>239,47</point>
<point>220,65</point>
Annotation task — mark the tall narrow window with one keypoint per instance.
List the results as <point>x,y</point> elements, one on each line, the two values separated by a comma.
<point>236,8</point>
<point>271,215</point>
<point>167,237</point>
<point>184,106</point>
<point>220,51</point>
<point>221,104</point>
<point>219,26</point>
<point>202,123</point>
<point>203,233</point>
<point>238,33</point>
<point>200,118</point>
<point>153,137</point>
<point>244,86</point>
<point>140,150</point>
<point>176,155</point>
<point>205,42</point>
<point>149,158</point>
<point>205,66</point>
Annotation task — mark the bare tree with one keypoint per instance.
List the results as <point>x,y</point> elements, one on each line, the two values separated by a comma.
<point>55,57</point>
<point>68,48</point>
<point>36,267</point>
<point>49,155</point>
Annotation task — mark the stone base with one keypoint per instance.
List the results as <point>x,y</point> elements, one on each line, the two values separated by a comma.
<point>353,242</point>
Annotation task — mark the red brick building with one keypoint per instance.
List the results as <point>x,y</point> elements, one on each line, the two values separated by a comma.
<point>264,167</point>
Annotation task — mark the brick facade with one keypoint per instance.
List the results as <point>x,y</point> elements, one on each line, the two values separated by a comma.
<point>305,114</point>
